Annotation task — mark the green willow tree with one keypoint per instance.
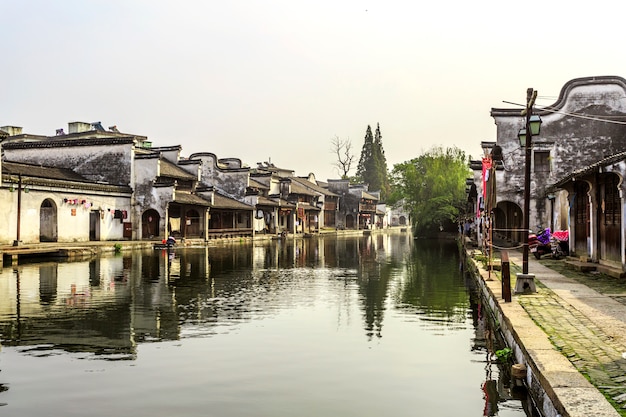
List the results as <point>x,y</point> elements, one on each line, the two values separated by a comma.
<point>372,167</point>
<point>432,188</point>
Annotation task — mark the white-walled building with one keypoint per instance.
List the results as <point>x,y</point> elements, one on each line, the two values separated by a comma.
<point>46,204</point>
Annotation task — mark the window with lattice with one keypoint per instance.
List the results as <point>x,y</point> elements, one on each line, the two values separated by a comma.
<point>542,161</point>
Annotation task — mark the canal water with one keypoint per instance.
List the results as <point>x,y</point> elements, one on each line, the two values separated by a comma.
<point>357,326</point>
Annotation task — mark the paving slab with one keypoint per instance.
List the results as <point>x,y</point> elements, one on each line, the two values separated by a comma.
<point>574,337</point>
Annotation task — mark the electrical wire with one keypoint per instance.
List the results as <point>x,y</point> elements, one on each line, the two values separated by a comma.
<point>506,247</point>
<point>583,116</point>
<point>554,110</point>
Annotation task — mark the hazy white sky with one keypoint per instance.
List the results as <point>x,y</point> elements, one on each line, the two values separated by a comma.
<point>261,79</point>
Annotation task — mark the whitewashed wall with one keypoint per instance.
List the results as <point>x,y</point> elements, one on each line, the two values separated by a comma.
<point>147,196</point>
<point>72,219</point>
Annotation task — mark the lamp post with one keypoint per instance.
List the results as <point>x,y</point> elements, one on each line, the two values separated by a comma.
<point>531,128</point>
<point>18,240</point>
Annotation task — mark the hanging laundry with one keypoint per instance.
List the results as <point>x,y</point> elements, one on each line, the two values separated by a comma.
<point>175,224</point>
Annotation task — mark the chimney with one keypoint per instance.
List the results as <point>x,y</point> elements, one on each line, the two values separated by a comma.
<point>12,130</point>
<point>78,127</point>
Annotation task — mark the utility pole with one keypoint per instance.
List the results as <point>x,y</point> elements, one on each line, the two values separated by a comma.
<point>525,281</point>
<point>531,96</point>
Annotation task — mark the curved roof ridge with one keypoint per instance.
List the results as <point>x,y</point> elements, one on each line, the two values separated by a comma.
<point>565,91</point>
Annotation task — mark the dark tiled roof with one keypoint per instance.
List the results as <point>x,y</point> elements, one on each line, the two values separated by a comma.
<point>145,153</point>
<point>275,202</point>
<point>57,177</point>
<point>168,169</point>
<point>591,168</point>
<point>368,196</point>
<point>16,168</point>
<point>63,143</point>
<point>187,198</point>
<point>264,201</point>
<point>307,207</point>
<point>222,202</point>
<point>314,187</point>
<point>297,188</point>
<point>256,184</point>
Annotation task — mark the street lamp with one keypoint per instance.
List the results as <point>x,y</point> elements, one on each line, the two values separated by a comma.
<point>535,126</point>
<point>531,128</point>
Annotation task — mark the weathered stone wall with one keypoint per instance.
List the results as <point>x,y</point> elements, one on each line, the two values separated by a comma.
<point>348,203</point>
<point>108,162</point>
<point>148,196</point>
<point>231,181</point>
<point>574,131</point>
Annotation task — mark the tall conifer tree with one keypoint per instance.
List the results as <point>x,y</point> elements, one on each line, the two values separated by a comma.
<point>381,162</point>
<point>372,168</point>
<point>365,168</point>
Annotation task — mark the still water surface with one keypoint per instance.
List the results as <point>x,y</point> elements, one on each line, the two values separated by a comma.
<point>367,326</point>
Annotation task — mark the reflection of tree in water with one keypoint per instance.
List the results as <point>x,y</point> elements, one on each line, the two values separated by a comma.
<point>151,297</point>
<point>373,293</point>
<point>375,273</point>
<point>433,285</point>
<point>3,388</point>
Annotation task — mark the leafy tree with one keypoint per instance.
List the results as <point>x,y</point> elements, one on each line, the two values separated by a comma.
<point>372,167</point>
<point>432,187</point>
<point>342,148</point>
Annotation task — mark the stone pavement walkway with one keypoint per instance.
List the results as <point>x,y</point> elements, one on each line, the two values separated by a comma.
<point>587,327</point>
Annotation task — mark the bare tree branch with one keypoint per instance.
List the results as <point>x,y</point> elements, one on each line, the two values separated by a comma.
<point>342,148</point>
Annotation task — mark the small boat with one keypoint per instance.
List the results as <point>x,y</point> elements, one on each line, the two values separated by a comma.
<point>281,235</point>
<point>166,243</point>
<point>160,246</point>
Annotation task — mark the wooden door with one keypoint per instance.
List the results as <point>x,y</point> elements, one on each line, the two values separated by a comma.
<point>610,218</point>
<point>581,218</point>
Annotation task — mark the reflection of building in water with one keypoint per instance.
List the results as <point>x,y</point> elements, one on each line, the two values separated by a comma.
<point>109,304</point>
<point>88,306</point>
<point>56,305</point>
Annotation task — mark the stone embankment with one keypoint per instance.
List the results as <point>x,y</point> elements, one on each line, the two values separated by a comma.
<point>570,338</point>
<point>10,254</point>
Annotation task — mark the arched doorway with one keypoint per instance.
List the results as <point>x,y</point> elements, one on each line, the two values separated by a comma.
<point>509,222</point>
<point>150,221</point>
<point>48,229</point>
